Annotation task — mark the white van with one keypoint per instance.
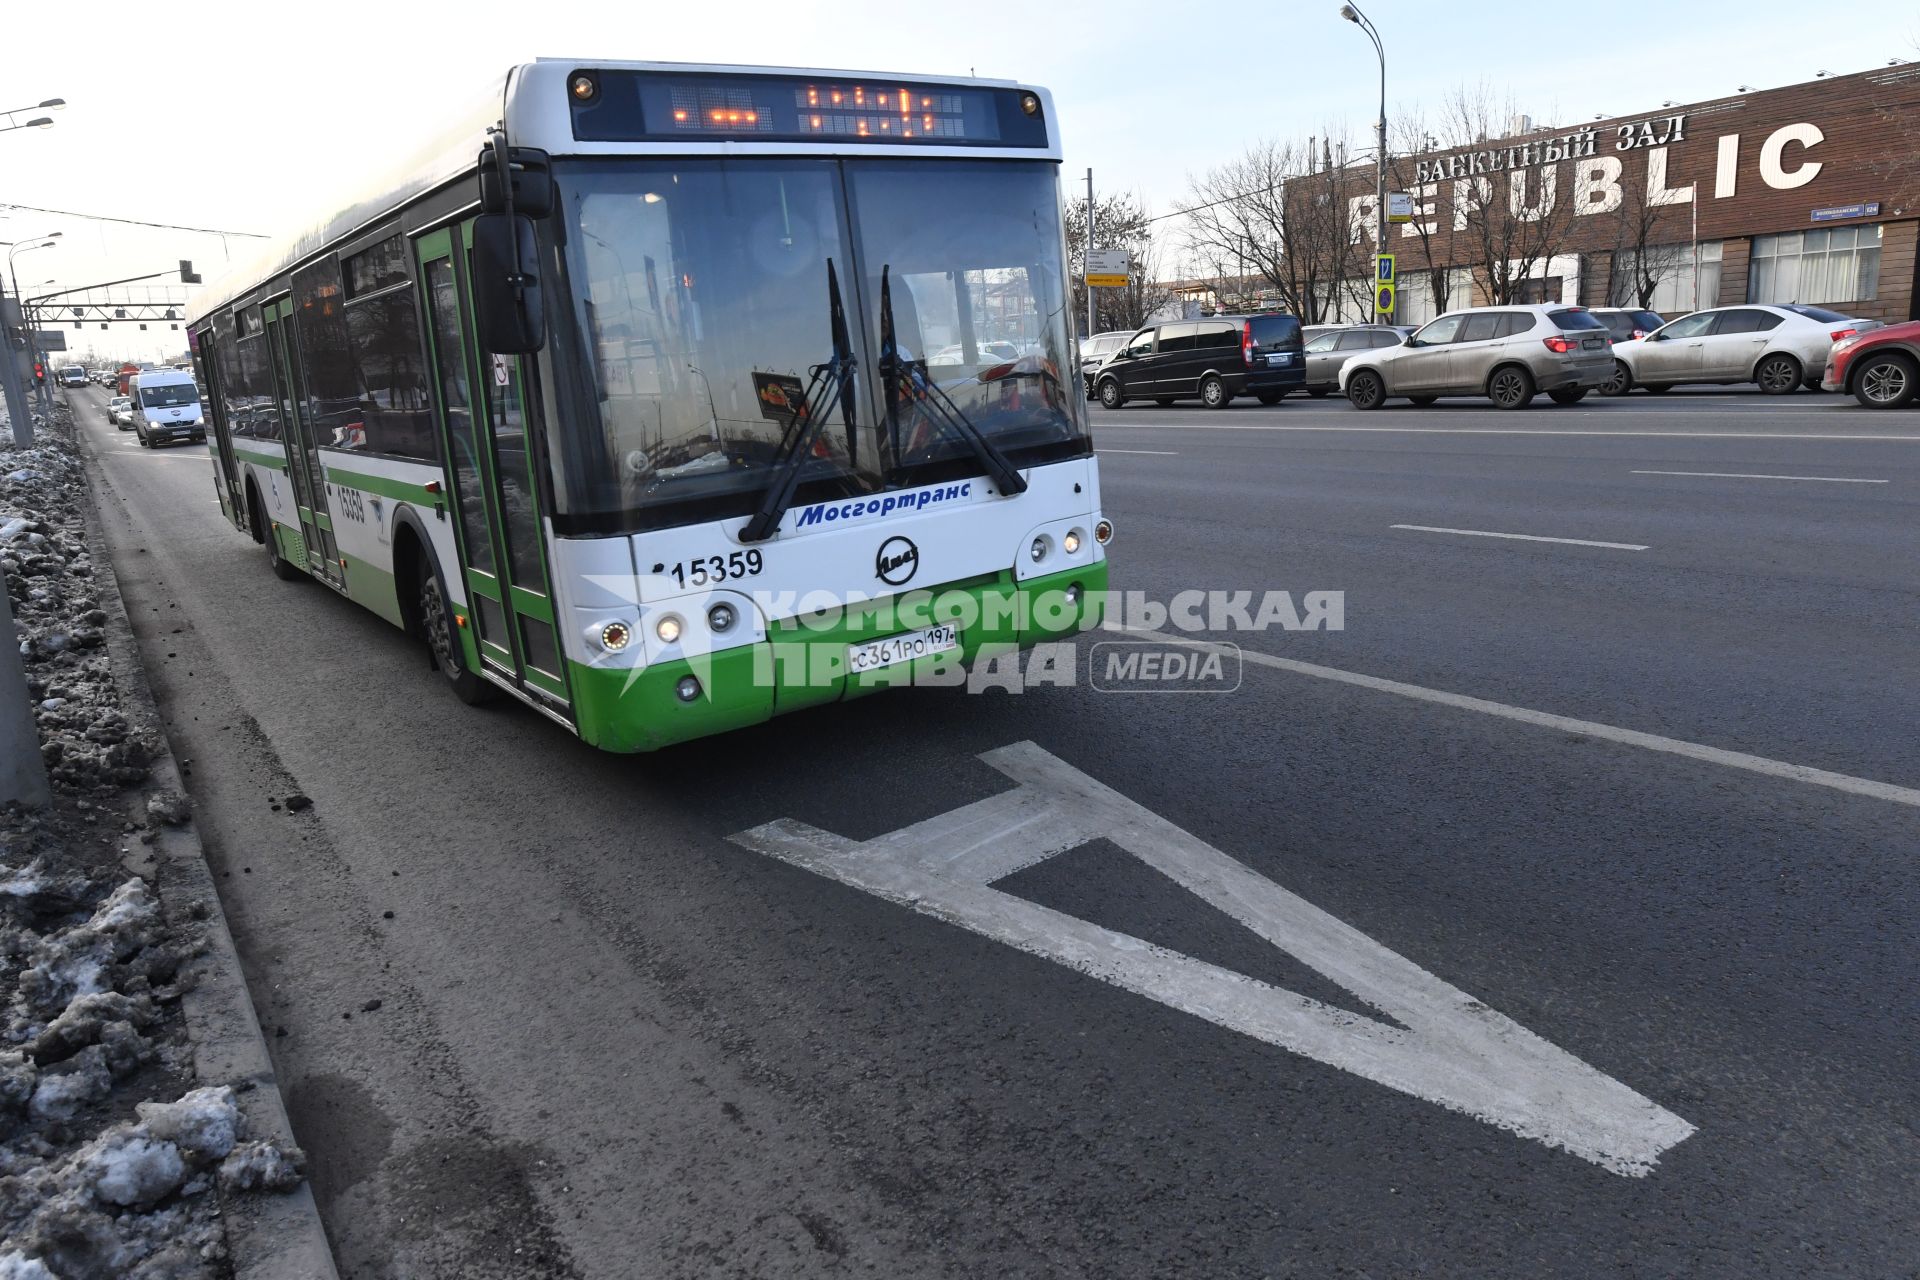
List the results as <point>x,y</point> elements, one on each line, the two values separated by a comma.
<point>166,406</point>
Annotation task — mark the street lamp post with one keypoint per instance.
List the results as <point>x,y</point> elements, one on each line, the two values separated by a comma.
<point>23,774</point>
<point>1352,14</point>
<point>38,122</point>
<point>33,347</point>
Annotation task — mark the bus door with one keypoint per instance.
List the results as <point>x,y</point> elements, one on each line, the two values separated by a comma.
<point>214,408</point>
<point>483,421</point>
<point>303,460</point>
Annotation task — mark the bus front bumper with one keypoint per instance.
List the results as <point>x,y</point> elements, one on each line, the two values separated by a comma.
<point>803,664</point>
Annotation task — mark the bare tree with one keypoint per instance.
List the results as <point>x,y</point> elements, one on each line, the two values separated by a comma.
<point>1896,102</point>
<point>1410,138</point>
<point>1279,217</point>
<point>1646,239</point>
<point>1511,223</point>
<point>1120,222</point>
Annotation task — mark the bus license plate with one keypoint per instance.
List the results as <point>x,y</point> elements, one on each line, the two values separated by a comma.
<point>875,654</point>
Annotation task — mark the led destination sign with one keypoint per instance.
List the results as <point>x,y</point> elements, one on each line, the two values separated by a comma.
<point>633,106</point>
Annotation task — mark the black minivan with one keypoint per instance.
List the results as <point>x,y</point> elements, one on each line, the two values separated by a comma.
<point>1212,360</point>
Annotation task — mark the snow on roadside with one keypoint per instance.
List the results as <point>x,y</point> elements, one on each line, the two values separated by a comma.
<point>98,1176</point>
<point>85,737</point>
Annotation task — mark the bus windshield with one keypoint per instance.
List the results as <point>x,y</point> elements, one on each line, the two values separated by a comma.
<point>701,309</point>
<point>169,395</point>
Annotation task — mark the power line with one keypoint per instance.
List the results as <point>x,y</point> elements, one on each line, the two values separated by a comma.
<point>134,222</point>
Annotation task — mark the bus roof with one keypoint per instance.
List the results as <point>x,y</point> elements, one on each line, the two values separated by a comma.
<point>531,99</point>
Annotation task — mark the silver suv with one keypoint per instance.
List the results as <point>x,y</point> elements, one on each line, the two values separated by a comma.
<point>1508,354</point>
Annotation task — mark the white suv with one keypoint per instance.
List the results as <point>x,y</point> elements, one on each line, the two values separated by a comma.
<point>1783,348</point>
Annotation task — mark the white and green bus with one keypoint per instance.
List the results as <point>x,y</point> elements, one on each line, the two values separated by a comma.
<point>667,398</point>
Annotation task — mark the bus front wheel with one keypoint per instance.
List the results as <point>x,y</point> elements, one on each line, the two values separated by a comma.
<point>436,619</point>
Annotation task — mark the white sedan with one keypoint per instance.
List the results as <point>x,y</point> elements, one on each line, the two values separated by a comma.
<point>1783,348</point>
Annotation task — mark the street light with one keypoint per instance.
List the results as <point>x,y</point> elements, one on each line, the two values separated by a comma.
<point>38,122</point>
<point>28,246</point>
<point>1352,14</point>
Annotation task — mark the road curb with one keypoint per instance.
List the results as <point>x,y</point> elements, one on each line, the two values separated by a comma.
<point>270,1237</point>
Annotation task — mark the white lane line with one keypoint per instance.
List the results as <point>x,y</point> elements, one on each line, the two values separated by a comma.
<point>1158,453</point>
<point>1740,475</point>
<point>1521,537</point>
<point>1908,796</point>
<point>1448,1048</point>
<point>1515,431</point>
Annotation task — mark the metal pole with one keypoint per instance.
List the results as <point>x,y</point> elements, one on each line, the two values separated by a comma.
<point>1380,194</point>
<point>17,411</point>
<point>23,774</point>
<point>1693,207</point>
<point>1087,260</point>
<point>1352,13</point>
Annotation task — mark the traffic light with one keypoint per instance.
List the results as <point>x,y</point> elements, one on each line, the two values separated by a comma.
<point>39,372</point>
<point>187,274</point>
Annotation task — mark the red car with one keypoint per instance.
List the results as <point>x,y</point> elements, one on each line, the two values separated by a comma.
<point>1880,368</point>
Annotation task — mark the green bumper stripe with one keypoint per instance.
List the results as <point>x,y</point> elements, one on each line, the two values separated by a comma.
<point>275,461</point>
<point>624,710</point>
<point>398,490</point>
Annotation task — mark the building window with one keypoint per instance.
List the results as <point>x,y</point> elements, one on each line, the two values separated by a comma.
<point>1831,264</point>
<point>1671,266</point>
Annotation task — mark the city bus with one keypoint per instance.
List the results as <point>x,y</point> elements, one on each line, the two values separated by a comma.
<point>666,398</point>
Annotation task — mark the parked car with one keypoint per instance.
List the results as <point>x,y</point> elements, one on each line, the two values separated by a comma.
<point>986,351</point>
<point>1628,323</point>
<point>1095,350</point>
<point>1508,354</point>
<point>1880,368</point>
<point>1332,348</point>
<point>120,412</point>
<point>1782,348</point>
<point>1212,360</point>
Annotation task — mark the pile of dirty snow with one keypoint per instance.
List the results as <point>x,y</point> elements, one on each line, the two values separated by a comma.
<point>99,1177</point>
<point>87,742</point>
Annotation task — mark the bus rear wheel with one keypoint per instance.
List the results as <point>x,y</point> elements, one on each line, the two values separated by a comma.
<point>436,620</point>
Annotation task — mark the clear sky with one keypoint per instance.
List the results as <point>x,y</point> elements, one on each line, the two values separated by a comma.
<point>252,115</point>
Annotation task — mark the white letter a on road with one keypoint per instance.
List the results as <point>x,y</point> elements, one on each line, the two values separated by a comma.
<point>1450,1048</point>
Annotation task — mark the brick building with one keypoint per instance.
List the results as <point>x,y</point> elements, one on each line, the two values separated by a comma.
<point>1806,193</point>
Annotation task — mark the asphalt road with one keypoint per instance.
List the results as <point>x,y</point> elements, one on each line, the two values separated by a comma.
<point>614,1042</point>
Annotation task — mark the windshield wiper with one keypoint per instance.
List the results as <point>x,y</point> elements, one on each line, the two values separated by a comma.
<point>826,383</point>
<point>896,372</point>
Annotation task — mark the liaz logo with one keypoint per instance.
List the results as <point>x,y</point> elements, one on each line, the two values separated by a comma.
<point>896,562</point>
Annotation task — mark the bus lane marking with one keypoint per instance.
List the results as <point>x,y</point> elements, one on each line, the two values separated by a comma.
<point>1449,1048</point>
<point>1742,475</point>
<point>1520,537</point>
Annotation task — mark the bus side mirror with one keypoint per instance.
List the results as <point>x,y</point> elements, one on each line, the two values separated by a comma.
<point>530,185</point>
<point>508,311</point>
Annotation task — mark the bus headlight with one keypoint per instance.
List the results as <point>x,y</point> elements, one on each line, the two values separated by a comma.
<point>615,636</point>
<point>1071,543</point>
<point>668,629</point>
<point>721,617</point>
<point>687,689</point>
<point>1039,549</point>
<point>1103,532</point>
